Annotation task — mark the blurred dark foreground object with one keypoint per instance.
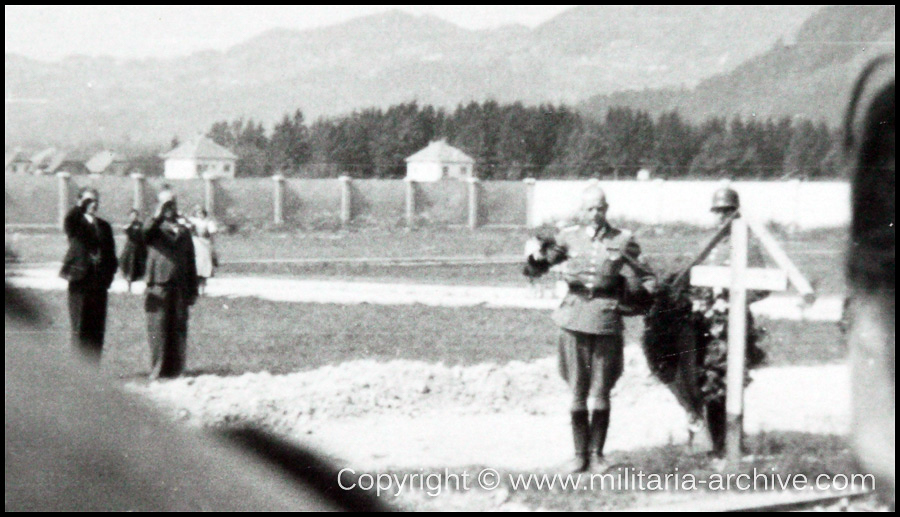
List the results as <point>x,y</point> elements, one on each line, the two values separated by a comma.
<point>870,311</point>
<point>76,442</point>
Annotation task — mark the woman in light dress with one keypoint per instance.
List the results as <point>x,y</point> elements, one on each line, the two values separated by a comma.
<point>203,228</point>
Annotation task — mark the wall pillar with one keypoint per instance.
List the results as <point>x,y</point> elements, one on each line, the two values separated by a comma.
<point>410,203</point>
<point>346,200</point>
<point>139,183</point>
<point>278,203</point>
<point>209,193</point>
<point>530,219</point>
<point>64,189</point>
<point>473,188</point>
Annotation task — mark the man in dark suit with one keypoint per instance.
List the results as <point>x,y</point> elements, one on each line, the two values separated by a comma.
<point>171,286</point>
<point>89,266</point>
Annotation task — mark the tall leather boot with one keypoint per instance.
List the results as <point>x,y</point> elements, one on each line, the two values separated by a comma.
<point>581,461</point>
<point>599,426</point>
<point>715,419</point>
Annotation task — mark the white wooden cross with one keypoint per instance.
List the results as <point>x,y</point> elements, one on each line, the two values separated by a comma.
<point>738,278</point>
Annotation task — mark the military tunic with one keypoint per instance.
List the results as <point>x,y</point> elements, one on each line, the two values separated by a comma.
<point>601,283</point>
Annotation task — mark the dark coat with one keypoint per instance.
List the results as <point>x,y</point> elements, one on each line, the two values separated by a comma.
<point>170,257</point>
<point>133,261</point>
<point>90,262</point>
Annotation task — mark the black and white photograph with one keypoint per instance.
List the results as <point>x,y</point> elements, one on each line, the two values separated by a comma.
<point>450,258</point>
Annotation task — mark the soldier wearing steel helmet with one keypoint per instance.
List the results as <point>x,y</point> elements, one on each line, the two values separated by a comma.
<point>726,204</point>
<point>171,286</point>
<point>710,307</point>
<point>602,268</point>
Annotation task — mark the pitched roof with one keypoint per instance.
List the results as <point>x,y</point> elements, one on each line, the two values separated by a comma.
<point>15,156</point>
<point>440,151</point>
<point>56,161</point>
<point>43,157</point>
<point>201,147</point>
<point>102,160</point>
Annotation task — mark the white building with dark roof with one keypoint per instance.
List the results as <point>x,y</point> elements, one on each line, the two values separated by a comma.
<point>439,160</point>
<point>17,162</point>
<point>198,158</point>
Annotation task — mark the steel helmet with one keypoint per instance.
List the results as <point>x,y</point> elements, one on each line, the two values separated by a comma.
<point>725,198</point>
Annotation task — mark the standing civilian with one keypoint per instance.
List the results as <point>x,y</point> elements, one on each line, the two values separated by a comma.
<point>89,266</point>
<point>171,286</point>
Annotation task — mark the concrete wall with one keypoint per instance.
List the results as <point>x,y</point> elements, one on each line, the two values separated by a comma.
<point>805,205</point>
<point>503,203</point>
<point>31,199</point>
<point>116,194</point>
<point>379,202</point>
<point>443,202</point>
<point>316,203</point>
<point>312,204</point>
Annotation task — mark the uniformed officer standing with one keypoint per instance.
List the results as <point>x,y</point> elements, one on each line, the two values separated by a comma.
<point>604,275</point>
<point>171,287</point>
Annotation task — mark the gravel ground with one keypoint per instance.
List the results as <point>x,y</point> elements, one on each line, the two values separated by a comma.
<point>404,414</point>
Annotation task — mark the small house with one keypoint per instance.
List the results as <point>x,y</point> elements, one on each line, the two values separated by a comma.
<point>16,162</point>
<point>439,160</point>
<point>197,158</point>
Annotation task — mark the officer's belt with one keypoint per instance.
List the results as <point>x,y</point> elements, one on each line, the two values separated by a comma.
<point>592,292</point>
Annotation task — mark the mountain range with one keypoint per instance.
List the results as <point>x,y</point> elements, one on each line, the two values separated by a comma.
<point>810,77</point>
<point>584,55</point>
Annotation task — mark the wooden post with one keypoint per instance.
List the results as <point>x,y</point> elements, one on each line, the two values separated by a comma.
<point>140,188</point>
<point>279,198</point>
<point>530,219</point>
<point>64,192</point>
<point>737,343</point>
<point>473,203</point>
<point>781,259</point>
<point>346,201</point>
<point>410,204</point>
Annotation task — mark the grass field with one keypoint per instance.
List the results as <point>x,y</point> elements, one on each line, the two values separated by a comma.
<point>233,336</point>
<point>817,254</point>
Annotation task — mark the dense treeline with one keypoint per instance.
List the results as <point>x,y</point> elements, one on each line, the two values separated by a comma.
<point>514,141</point>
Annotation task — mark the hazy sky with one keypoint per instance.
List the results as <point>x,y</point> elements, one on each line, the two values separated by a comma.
<point>52,32</point>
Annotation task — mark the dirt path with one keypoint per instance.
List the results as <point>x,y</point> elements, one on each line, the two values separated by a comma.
<point>344,292</point>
